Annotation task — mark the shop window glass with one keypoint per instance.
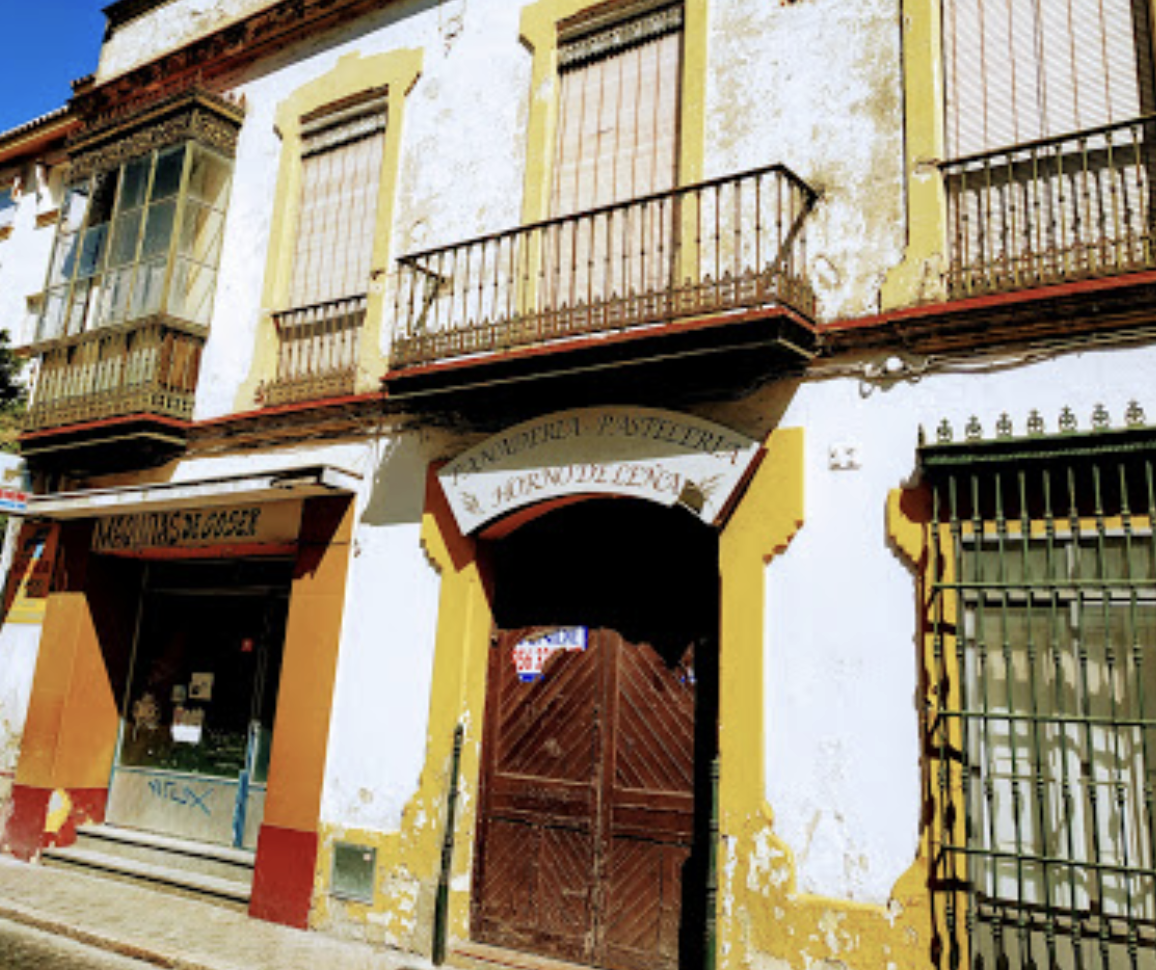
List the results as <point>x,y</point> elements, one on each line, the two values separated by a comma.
<point>204,678</point>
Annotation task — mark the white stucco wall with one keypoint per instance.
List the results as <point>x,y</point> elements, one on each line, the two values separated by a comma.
<point>817,86</point>
<point>24,256</point>
<point>448,190</point>
<point>19,645</point>
<point>381,701</point>
<point>842,746</point>
<point>168,26</point>
<point>774,94</point>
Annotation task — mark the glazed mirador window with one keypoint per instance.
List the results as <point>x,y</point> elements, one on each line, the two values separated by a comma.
<point>139,241</point>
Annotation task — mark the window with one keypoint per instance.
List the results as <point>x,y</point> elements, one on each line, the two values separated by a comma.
<point>1044,729</point>
<point>1049,173</point>
<point>7,211</point>
<point>342,148</point>
<point>618,117</point>
<point>1021,70</point>
<point>139,240</point>
<point>617,140</point>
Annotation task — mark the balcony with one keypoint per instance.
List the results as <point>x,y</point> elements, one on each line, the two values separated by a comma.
<point>700,285</point>
<point>114,384</point>
<point>1058,210</point>
<point>317,352</point>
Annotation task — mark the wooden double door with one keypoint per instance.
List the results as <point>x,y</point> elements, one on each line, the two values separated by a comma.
<point>588,807</point>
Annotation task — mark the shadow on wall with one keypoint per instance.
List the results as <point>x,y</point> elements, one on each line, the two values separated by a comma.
<point>399,482</point>
<point>334,37</point>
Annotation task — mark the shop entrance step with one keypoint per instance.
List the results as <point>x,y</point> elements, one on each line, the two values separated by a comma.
<point>211,873</point>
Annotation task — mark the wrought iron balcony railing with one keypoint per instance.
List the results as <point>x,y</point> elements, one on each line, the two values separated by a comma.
<point>112,372</point>
<point>733,243</point>
<point>1063,208</point>
<point>317,352</point>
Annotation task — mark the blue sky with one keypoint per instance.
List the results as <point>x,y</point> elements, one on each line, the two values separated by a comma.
<point>47,45</point>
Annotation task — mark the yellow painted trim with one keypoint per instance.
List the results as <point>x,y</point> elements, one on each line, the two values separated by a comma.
<point>539,32</point>
<point>919,277</point>
<point>912,533</point>
<point>409,860</point>
<point>762,527</point>
<point>762,915</point>
<point>398,71</point>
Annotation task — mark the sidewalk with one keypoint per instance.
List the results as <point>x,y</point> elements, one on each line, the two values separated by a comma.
<point>170,931</point>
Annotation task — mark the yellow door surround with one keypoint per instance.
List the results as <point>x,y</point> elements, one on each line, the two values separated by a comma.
<point>761,913</point>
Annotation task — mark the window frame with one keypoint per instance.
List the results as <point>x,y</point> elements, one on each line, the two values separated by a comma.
<point>396,72</point>
<point>98,315</point>
<point>8,222</point>
<point>1016,505</point>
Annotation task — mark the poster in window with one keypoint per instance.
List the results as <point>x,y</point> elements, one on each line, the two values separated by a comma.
<point>201,687</point>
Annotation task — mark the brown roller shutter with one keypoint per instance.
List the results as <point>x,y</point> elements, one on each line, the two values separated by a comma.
<point>1021,70</point>
<point>617,140</point>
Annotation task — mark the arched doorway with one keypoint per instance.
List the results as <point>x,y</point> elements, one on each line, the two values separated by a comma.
<point>601,724</point>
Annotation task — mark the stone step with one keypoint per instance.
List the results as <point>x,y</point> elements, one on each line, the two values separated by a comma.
<point>210,873</point>
<point>167,852</point>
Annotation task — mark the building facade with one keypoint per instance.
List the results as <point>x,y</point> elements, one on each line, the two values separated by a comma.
<point>630,484</point>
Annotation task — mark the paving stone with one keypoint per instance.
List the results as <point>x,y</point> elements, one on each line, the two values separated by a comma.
<point>170,931</point>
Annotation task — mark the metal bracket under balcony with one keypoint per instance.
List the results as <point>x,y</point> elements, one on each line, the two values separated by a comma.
<point>695,290</point>
<point>114,397</point>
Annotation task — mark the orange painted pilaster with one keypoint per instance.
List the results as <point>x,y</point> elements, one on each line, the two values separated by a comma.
<point>71,726</point>
<point>287,847</point>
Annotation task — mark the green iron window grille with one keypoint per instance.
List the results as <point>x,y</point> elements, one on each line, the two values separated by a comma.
<point>1041,685</point>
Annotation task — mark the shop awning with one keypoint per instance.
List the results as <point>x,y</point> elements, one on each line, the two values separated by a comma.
<point>270,486</point>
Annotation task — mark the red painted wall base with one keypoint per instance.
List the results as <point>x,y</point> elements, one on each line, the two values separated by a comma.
<point>283,876</point>
<point>25,830</point>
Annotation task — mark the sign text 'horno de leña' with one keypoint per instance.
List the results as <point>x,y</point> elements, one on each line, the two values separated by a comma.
<point>659,456</point>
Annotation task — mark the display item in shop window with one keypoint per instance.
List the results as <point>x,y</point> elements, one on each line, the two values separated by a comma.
<point>146,713</point>
<point>201,687</point>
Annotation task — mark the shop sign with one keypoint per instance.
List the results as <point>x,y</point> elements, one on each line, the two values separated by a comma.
<point>14,487</point>
<point>30,576</point>
<point>660,456</point>
<point>530,655</point>
<point>274,523</point>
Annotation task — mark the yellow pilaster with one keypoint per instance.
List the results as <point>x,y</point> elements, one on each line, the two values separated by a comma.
<point>71,726</point>
<point>919,277</point>
<point>70,729</point>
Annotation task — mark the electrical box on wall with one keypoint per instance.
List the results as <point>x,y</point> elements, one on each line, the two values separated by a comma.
<point>354,867</point>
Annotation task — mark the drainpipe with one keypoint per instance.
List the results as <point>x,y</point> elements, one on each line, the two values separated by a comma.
<point>710,930</point>
<point>442,902</point>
